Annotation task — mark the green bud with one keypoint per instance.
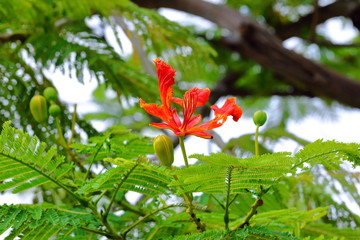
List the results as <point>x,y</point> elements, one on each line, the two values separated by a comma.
<point>164,150</point>
<point>50,94</point>
<point>38,108</point>
<point>259,118</point>
<point>54,110</point>
<point>142,159</point>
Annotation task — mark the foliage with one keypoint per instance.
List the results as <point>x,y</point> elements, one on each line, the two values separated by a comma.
<point>91,184</point>
<point>225,173</point>
<point>26,164</point>
<point>46,221</point>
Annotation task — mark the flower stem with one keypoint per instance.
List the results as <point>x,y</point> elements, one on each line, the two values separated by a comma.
<point>257,141</point>
<point>188,196</point>
<point>258,202</point>
<point>182,146</point>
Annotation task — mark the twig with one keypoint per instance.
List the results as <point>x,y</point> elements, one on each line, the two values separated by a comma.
<point>92,161</point>
<point>314,20</point>
<point>109,236</point>
<point>73,122</point>
<point>128,229</point>
<point>226,215</point>
<point>116,191</point>
<point>258,202</point>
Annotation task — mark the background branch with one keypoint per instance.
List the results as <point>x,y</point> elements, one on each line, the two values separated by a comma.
<point>256,42</point>
<point>345,8</point>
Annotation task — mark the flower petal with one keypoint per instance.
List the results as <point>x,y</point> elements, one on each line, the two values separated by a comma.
<point>162,126</point>
<point>166,76</point>
<point>193,98</point>
<point>203,135</point>
<point>193,121</point>
<point>179,133</point>
<point>203,96</point>
<point>201,99</point>
<point>175,117</point>
<point>154,109</point>
<point>230,108</point>
<point>177,100</point>
<point>189,105</point>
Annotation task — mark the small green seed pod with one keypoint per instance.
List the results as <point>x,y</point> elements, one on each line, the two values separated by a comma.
<point>259,118</point>
<point>38,108</point>
<point>50,94</point>
<point>164,150</point>
<point>54,110</point>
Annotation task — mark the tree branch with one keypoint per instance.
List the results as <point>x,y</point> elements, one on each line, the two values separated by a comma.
<point>255,42</point>
<point>329,44</point>
<point>343,8</point>
<point>11,37</point>
<point>226,86</point>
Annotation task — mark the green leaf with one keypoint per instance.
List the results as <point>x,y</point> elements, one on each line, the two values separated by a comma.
<point>143,178</point>
<point>256,232</point>
<point>331,232</point>
<point>25,164</point>
<point>44,221</point>
<point>246,174</point>
<point>288,218</point>
<point>330,154</point>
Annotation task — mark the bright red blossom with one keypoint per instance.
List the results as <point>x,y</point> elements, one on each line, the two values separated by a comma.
<point>193,98</point>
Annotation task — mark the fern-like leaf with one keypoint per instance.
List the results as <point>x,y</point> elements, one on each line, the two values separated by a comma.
<point>134,176</point>
<point>330,153</point>
<point>256,232</point>
<point>331,232</point>
<point>288,219</point>
<point>44,222</point>
<point>25,163</point>
<point>246,174</point>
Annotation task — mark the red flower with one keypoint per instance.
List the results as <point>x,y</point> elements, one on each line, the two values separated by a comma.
<point>193,98</point>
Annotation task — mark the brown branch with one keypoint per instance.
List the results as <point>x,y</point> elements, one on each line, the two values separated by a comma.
<point>343,8</point>
<point>226,86</point>
<point>11,37</point>
<point>257,43</point>
<point>314,21</point>
<point>329,44</point>
<point>300,72</point>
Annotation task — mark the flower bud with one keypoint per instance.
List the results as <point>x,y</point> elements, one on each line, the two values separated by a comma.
<point>54,110</point>
<point>50,94</point>
<point>259,118</point>
<point>38,108</point>
<point>142,159</point>
<point>164,150</point>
